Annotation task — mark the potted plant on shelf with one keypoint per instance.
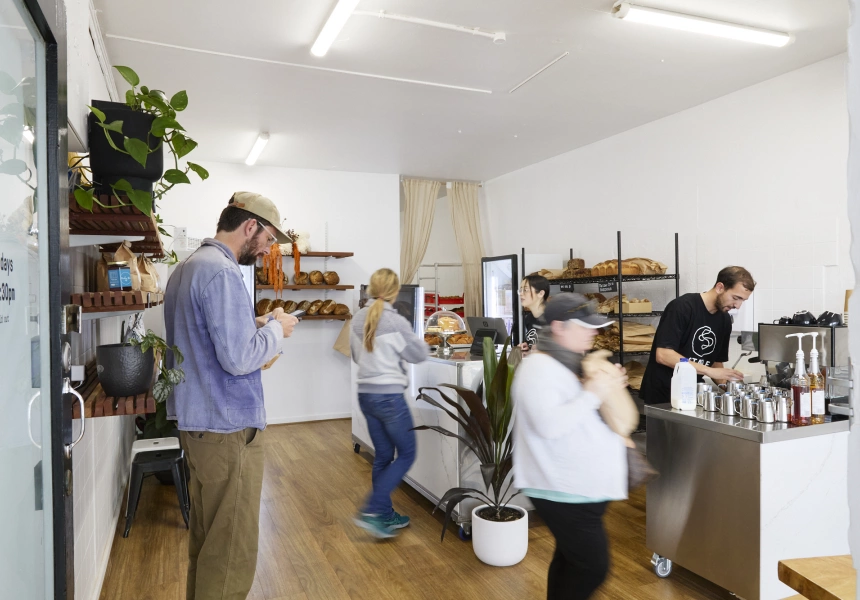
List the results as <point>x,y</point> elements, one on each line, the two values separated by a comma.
<point>499,530</point>
<point>158,425</point>
<point>126,147</point>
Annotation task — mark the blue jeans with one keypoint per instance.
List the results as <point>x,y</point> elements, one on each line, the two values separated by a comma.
<point>390,424</point>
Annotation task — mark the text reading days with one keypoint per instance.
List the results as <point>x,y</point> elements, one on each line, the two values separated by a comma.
<point>6,265</point>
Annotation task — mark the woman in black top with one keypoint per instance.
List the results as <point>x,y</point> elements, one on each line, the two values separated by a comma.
<point>534,292</point>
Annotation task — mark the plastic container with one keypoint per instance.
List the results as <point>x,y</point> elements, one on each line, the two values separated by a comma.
<point>684,386</point>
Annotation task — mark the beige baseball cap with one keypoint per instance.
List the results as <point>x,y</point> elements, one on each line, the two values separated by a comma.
<point>264,208</point>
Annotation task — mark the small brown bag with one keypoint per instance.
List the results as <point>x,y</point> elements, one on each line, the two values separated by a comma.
<point>148,275</point>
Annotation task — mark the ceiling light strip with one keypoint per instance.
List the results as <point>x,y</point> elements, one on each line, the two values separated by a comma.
<point>334,24</point>
<point>701,25</point>
<point>301,66</point>
<point>536,73</point>
<point>497,37</point>
<point>257,149</point>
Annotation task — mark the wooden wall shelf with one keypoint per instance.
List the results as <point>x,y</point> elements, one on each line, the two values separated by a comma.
<point>326,317</point>
<point>309,287</point>
<point>98,404</point>
<point>125,221</point>
<point>325,255</point>
<point>116,302</point>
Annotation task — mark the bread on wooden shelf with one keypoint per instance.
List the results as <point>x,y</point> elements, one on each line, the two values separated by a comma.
<point>331,278</point>
<point>301,278</point>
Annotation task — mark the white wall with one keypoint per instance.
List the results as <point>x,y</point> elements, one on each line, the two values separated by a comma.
<point>755,178</point>
<point>311,380</point>
<point>854,335</point>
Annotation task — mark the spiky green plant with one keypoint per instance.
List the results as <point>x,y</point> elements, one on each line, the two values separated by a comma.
<point>486,430</point>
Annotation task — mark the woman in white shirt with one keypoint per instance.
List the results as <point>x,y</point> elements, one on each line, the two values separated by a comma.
<point>566,459</point>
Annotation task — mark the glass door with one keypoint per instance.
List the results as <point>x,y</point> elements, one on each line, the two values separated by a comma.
<point>26,531</point>
<point>501,300</point>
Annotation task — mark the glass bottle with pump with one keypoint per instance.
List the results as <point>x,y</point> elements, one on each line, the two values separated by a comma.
<point>816,384</point>
<point>801,410</point>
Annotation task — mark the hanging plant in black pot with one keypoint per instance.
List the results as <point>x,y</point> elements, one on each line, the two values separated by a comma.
<point>127,148</point>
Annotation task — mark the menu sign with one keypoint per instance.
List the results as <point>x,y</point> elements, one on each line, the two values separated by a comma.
<point>7,287</point>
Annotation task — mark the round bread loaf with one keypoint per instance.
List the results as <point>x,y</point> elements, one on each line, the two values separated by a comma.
<point>263,307</point>
<point>331,278</point>
<point>316,277</point>
<point>290,306</point>
<point>260,273</point>
<point>303,305</point>
<point>341,309</point>
<point>328,307</point>
<point>301,278</point>
<point>279,303</point>
<point>315,306</point>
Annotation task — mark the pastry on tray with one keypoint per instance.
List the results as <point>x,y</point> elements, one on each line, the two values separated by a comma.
<point>432,340</point>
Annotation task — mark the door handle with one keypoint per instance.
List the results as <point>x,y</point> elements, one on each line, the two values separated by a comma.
<point>68,389</point>
<point>29,415</point>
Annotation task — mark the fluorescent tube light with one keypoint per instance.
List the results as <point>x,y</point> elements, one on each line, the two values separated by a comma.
<point>673,20</point>
<point>261,142</point>
<point>28,135</point>
<point>332,28</point>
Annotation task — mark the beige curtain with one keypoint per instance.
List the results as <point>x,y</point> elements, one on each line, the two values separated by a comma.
<point>466,219</point>
<point>420,199</point>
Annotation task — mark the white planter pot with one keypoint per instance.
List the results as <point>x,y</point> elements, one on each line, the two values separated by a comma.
<point>500,544</point>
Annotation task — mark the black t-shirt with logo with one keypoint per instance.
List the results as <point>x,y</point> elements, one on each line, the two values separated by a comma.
<point>690,330</point>
<point>531,325</point>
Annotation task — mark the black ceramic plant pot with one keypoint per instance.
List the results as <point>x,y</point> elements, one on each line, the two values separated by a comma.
<point>124,370</point>
<point>107,164</point>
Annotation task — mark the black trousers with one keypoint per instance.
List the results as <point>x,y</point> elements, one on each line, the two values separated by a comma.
<point>581,559</point>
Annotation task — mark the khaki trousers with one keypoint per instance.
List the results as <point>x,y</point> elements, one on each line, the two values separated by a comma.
<point>225,488</point>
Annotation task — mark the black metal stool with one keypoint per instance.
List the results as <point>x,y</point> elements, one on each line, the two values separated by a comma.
<point>152,462</point>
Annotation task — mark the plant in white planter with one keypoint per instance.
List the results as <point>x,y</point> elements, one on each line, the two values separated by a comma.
<point>499,531</point>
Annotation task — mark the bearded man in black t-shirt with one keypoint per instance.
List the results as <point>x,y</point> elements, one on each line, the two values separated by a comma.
<point>697,327</point>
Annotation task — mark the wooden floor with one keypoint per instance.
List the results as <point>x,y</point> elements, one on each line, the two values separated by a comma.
<point>309,548</point>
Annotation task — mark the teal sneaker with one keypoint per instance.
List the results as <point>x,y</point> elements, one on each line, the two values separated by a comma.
<point>397,521</point>
<point>375,526</point>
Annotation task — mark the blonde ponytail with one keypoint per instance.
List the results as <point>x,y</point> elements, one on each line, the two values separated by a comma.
<point>384,286</point>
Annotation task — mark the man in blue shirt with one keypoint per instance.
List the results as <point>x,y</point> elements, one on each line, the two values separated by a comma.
<point>209,315</point>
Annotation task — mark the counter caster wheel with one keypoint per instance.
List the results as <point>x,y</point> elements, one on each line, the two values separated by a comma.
<point>662,566</point>
<point>465,533</point>
<point>356,447</point>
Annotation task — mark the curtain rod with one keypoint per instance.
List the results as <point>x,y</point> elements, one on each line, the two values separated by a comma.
<point>480,183</point>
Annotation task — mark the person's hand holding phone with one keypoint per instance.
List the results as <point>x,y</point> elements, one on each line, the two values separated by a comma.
<point>288,323</point>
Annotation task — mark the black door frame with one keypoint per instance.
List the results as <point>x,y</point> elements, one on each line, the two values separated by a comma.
<point>49,17</point>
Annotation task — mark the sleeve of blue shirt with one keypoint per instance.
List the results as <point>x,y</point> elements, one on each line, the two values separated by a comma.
<point>241,348</point>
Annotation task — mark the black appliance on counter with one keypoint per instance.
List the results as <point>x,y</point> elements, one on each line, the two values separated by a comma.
<point>409,304</point>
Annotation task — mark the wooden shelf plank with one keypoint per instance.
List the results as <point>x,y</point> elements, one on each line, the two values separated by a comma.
<point>326,255</point>
<point>326,317</point>
<point>119,302</point>
<point>309,287</point>
<point>98,404</point>
<point>125,221</point>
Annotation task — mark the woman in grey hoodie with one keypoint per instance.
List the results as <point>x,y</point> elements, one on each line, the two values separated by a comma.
<point>382,342</point>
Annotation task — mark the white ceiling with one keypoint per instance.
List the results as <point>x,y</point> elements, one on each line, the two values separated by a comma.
<point>618,75</point>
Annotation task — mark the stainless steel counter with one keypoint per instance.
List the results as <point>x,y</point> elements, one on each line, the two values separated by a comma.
<point>763,433</point>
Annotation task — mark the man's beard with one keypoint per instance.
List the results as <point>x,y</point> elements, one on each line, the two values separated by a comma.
<point>720,306</point>
<point>248,253</point>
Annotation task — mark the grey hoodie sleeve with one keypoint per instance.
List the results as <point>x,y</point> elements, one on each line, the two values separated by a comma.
<point>415,349</point>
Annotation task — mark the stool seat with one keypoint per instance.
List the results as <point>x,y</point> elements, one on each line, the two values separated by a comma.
<point>153,461</point>
<point>168,443</point>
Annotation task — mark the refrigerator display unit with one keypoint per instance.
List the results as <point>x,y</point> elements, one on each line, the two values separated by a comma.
<point>501,298</point>
<point>409,303</point>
